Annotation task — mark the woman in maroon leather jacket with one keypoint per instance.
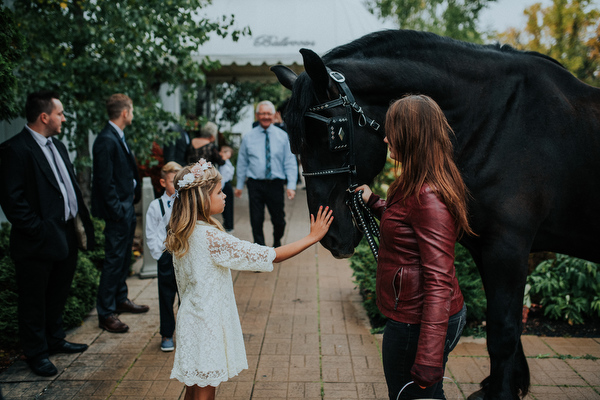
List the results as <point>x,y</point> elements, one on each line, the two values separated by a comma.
<point>416,285</point>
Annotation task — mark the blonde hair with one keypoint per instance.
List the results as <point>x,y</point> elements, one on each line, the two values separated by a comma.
<point>192,204</point>
<point>169,168</point>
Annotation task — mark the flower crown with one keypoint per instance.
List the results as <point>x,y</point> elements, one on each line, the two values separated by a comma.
<point>197,171</point>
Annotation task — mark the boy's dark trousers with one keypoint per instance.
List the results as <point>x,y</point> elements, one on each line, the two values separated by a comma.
<point>228,211</point>
<point>167,289</point>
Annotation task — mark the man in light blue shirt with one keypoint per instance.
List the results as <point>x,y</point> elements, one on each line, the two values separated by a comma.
<point>266,163</point>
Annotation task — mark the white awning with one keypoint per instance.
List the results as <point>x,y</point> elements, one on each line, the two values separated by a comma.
<point>280,28</point>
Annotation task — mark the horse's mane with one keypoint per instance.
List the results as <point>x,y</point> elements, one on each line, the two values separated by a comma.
<point>297,106</point>
<point>389,41</point>
<point>376,45</point>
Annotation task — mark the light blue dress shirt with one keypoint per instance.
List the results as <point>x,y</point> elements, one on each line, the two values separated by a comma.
<point>251,161</point>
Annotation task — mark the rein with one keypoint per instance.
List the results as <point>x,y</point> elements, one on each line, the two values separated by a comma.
<point>340,131</point>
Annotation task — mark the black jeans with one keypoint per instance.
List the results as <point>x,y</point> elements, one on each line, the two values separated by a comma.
<point>268,193</point>
<point>399,350</point>
<point>167,290</point>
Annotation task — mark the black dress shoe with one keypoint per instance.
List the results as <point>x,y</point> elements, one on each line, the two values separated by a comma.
<point>130,306</point>
<point>42,367</point>
<point>112,324</point>
<point>68,347</point>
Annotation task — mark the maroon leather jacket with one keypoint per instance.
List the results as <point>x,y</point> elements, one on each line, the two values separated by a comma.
<point>416,281</point>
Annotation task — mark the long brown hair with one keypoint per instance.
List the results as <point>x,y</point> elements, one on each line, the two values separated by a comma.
<point>192,204</point>
<point>418,134</point>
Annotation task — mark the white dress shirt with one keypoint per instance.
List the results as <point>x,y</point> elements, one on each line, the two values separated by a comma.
<point>42,141</point>
<point>156,225</point>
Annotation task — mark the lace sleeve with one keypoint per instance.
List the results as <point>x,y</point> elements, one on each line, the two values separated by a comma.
<point>231,252</point>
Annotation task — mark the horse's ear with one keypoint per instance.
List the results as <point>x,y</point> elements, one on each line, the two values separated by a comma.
<point>315,68</point>
<point>286,76</point>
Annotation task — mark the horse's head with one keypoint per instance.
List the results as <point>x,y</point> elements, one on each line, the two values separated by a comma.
<point>332,140</point>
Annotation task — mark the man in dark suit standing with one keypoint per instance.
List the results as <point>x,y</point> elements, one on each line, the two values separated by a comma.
<point>116,188</point>
<point>42,200</point>
<point>177,150</point>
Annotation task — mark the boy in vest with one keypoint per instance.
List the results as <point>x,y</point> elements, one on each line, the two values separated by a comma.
<point>157,218</point>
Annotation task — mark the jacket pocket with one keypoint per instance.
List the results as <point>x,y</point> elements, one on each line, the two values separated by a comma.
<point>397,286</point>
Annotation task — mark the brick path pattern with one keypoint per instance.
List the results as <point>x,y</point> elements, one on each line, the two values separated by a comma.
<point>307,337</point>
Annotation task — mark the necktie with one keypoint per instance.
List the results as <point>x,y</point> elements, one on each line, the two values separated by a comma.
<point>125,143</point>
<point>169,203</point>
<point>63,176</point>
<point>267,155</point>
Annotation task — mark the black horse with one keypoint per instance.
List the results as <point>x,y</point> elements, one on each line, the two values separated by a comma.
<point>527,143</point>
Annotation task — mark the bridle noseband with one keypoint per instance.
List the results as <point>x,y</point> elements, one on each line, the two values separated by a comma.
<point>340,131</point>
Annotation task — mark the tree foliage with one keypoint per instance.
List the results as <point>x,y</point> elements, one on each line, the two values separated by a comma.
<point>11,48</point>
<point>452,18</point>
<point>232,97</point>
<point>568,31</point>
<point>88,50</point>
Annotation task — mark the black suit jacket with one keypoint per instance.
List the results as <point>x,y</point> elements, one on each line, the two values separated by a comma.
<point>114,171</point>
<point>32,201</point>
<point>177,151</point>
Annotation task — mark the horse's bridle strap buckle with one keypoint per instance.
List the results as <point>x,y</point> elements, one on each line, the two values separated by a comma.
<point>337,76</point>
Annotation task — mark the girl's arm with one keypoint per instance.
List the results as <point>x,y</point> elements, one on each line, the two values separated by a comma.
<point>318,229</point>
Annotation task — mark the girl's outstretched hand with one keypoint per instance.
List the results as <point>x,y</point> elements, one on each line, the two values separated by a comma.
<point>320,225</point>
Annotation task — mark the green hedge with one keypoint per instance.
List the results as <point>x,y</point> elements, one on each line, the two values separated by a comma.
<point>82,296</point>
<point>567,288</point>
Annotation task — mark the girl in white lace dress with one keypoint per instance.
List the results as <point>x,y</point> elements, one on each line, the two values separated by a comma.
<point>210,346</point>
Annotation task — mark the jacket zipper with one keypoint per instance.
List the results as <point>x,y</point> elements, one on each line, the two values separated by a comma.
<point>397,293</point>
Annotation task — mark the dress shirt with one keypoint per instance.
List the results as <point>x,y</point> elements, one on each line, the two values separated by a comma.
<point>251,161</point>
<point>156,225</point>
<point>122,137</point>
<point>42,141</point>
<point>227,171</point>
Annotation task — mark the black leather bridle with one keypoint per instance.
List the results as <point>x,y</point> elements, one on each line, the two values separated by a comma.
<point>340,131</point>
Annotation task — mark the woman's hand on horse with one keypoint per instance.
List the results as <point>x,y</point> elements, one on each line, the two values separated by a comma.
<point>320,225</point>
<point>366,192</point>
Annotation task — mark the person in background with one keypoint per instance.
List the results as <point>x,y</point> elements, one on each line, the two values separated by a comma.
<point>41,198</point>
<point>203,145</point>
<point>177,150</point>
<point>227,171</point>
<point>157,218</point>
<point>210,345</point>
<point>266,164</point>
<point>116,187</point>
<point>416,285</point>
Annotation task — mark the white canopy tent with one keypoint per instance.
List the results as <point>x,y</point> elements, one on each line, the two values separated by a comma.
<point>280,28</point>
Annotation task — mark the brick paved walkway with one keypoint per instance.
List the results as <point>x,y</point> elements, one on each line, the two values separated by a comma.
<point>307,337</point>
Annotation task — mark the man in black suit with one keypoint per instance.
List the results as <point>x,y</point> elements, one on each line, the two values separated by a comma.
<point>116,188</point>
<point>42,200</point>
<point>177,150</point>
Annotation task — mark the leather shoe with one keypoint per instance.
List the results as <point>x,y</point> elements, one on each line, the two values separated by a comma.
<point>42,367</point>
<point>68,347</point>
<point>112,324</point>
<point>130,306</point>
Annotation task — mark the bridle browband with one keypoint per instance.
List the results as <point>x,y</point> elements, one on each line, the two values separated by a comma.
<point>340,131</point>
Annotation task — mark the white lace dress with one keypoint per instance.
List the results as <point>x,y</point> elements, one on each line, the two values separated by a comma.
<point>210,346</point>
